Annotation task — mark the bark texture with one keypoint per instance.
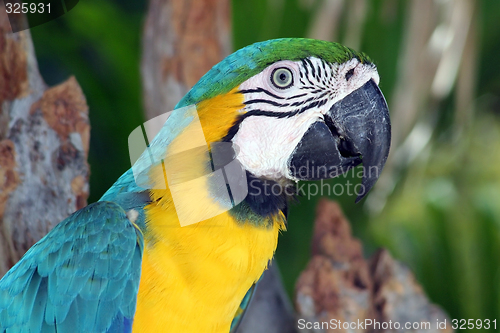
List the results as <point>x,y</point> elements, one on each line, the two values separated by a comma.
<point>340,284</point>
<point>182,40</point>
<point>44,141</point>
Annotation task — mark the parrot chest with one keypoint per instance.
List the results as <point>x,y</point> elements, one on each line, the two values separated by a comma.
<point>194,278</point>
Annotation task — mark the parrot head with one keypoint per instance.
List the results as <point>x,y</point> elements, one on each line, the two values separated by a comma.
<point>289,109</point>
<point>309,110</point>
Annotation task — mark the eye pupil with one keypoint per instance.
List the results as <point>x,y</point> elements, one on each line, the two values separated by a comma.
<point>282,78</point>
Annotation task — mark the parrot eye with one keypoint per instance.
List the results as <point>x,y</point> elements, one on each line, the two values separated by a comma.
<point>282,78</point>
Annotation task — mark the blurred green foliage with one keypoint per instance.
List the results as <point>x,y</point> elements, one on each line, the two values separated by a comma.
<point>443,218</point>
<point>444,221</point>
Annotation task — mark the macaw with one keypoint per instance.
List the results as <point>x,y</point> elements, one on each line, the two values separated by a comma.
<point>291,107</point>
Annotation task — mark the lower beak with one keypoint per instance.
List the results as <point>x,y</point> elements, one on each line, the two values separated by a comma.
<point>355,130</point>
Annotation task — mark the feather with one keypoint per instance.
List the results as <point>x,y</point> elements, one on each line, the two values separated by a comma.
<point>66,284</point>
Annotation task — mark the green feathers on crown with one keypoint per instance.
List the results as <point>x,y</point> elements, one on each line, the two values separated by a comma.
<point>248,61</point>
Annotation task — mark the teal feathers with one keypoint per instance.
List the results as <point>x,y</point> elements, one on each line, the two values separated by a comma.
<point>84,274</point>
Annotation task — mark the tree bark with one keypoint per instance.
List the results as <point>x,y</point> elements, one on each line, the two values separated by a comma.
<point>44,142</point>
<point>339,284</point>
<point>182,40</point>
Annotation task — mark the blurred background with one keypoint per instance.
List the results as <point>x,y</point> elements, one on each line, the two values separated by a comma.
<point>436,206</point>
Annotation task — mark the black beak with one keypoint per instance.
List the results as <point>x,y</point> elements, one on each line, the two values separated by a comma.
<point>355,130</point>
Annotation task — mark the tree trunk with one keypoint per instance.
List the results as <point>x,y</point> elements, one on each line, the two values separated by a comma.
<point>44,142</point>
<point>182,40</point>
<point>340,286</point>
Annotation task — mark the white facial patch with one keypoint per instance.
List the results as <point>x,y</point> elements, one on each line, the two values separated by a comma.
<point>280,117</point>
<point>266,143</point>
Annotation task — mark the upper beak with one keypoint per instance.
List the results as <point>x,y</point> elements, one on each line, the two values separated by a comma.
<point>355,130</point>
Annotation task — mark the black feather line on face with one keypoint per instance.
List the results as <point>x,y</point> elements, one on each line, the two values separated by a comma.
<point>258,90</point>
<point>233,129</point>
<point>323,63</point>
<point>254,113</point>
<point>304,65</point>
<point>296,96</point>
<point>236,125</point>
<point>313,72</point>
<point>265,101</point>
<point>302,102</point>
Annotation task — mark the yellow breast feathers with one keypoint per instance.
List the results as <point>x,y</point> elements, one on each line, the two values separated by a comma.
<point>194,277</point>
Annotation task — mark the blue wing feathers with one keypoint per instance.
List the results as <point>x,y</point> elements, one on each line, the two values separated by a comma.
<point>243,306</point>
<point>82,277</point>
